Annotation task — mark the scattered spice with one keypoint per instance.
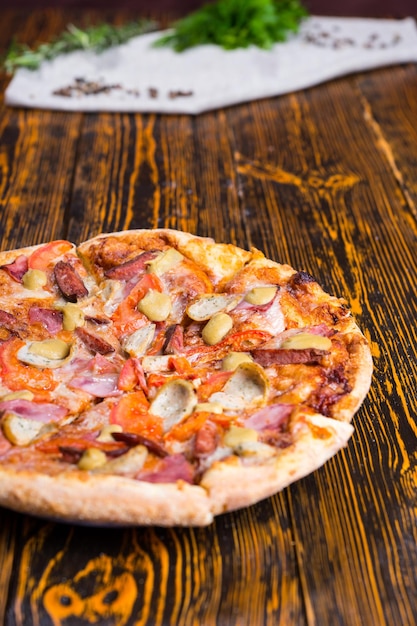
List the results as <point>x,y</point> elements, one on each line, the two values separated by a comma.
<point>179,94</point>
<point>82,87</point>
<point>324,39</point>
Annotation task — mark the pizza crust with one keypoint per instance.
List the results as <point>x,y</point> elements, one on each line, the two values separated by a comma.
<point>231,486</point>
<point>86,498</point>
<point>219,261</point>
<point>361,377</point>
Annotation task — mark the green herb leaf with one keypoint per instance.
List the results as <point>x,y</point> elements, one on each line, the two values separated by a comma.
<point>236,24</point>
<point>97,38</point>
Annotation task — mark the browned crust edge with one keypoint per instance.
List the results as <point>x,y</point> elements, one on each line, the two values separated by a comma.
<point>115,500</point>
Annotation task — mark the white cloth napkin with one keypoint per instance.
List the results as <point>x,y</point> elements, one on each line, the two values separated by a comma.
<point>139,77</point>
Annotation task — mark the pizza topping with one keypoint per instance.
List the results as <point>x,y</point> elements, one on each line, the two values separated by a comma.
<point>267,357</point>
<point>133,268</point>
<point>165,261</point>
<point>134,439</point>
<point>255,450</point>
<point>273,417</point>
<point>139,341</point>
<point>209,407</point>
<point>50,353</point>
<point>300,341</point>
<point>155,305</point>
<point>261,295</point>
<point>19,376</point>
<point>7,319</point>
<point>234,359</point>
<point>73,317</point>
<point>244,442</point>
<point>69,282</point>
<point>174,340</point>
<point>217,328</point>
<point>24,394</point>
<point>20,431</point>
<point>126,317</point>
<point>175,400</point>
<point>169,470</point>
<point>247,386</point>
<point>93,342</point>
<point>37,411</point>
<point>236,435</point>
<point>92,458</point>
<point>49,318</point>
<point>45,255</point>
<point>17,269</point>
<point>206,439</point>
<point>157,363</point>
<point>131,462</point>
<point>106,433</point>
<point>103,385</point>
<point>34,279</point>
<point>208,305</point>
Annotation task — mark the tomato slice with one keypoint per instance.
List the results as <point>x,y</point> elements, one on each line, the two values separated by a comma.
<point>183,367</point>
<point>131,413</point>
<point>128,378</point>
<point>186,429</point>
<point>127,318</point>
<point>132,375</point>
<point>45,255</point>
<point>192,424</point>
<point>213,384</point>
<point>78,443</point>
<point>19,376</point>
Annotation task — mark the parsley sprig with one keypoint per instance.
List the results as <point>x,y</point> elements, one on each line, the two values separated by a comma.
<point>97,38</point>
<point>236,24</point>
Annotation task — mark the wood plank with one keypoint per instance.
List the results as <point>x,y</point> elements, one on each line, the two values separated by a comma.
<point>37,153</point>
<point>132,173</point>
<point>328,203</point>
<point>384,92</point>
<point>7,548</point>
<point>153,577</point>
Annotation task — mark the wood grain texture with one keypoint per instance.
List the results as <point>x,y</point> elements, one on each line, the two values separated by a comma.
<point>324,180</point>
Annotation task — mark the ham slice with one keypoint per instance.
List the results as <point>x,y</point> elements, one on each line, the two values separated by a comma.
<point>7,319</point>
<point>49,318</point>
<point>38,411</point>
<point>98,385</point>
<point>271,417</point>
<point>17,269</point>
<point>169,470</point>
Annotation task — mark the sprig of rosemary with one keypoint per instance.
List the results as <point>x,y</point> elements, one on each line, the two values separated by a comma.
<point>97,38</point>
<point>236,24</point>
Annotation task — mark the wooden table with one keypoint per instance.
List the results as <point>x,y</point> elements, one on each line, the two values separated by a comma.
<point>325,179</point>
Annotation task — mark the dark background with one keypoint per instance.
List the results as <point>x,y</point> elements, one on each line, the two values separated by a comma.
<point>376,8</point>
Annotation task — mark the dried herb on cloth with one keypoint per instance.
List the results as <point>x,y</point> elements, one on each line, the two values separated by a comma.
<point>236,24</point>
<point>97,38</point>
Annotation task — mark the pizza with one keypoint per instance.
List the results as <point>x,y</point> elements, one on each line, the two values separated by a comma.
<point>158,377</point>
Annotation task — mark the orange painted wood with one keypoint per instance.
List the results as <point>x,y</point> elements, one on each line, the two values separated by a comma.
<point>324,180</point>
